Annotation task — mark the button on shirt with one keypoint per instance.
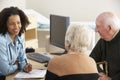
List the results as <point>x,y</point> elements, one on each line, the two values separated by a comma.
<point>10,52</point>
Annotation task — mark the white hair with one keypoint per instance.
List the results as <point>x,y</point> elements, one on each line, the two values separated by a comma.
<point>114,22</point>
<point>110,19</point>
<point>79,37</point>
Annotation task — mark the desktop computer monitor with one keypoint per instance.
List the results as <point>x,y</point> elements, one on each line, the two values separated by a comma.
<point>58,27</point>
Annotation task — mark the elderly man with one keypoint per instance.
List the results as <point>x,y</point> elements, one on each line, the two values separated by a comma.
<point>108,47</point>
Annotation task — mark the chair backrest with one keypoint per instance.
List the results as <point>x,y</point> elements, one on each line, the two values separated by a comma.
<point>104,66</point>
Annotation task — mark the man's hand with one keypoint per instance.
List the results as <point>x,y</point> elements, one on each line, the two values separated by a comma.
<point>28,67</point>
<point>103,76</point>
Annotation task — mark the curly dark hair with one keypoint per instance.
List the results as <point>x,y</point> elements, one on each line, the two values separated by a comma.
<point>6,13</point>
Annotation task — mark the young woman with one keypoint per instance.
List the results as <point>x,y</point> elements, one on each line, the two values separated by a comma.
<point>13,23</point>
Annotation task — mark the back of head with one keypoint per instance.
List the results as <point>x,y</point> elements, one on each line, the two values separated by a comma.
<point>78,37</point>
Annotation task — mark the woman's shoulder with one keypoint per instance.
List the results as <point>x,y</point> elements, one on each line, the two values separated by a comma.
<point>71,58</point>
<point>56,61</point>
<point>59,59</point>
<point>62,60</point>
<point>2,38</point>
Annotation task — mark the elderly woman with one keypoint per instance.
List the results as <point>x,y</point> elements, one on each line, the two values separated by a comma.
<point>76,64</point>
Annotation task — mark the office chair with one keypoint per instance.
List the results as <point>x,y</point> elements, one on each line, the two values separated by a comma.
<point>103,66</point>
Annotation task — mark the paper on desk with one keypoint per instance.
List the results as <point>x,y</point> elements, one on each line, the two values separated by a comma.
<point>35,73</point>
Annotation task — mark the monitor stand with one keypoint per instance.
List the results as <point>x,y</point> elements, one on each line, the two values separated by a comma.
<point>58,53</point>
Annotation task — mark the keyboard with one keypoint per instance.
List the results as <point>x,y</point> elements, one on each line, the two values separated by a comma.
<point>40,57</point>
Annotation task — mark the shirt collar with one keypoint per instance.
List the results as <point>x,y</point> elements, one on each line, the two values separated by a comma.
<point>10,41</point>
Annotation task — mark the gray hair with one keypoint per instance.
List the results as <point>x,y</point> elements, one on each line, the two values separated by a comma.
<point>79,37</point>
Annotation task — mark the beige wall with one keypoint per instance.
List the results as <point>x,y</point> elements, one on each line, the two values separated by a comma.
<point>6,3</point>
<point>78,10</point>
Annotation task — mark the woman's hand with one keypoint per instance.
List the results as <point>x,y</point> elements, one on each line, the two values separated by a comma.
<point>28,67</point>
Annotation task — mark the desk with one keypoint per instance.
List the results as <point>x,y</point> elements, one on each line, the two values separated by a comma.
<point>34,65</point>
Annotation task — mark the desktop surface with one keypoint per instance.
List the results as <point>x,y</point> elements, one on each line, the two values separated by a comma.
<point>35,65</point>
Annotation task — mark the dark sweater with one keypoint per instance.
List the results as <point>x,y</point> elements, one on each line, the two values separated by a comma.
<point>52,76</point>
<point>109,51</point>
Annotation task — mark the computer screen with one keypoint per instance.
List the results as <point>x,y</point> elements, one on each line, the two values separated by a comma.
<point>58,27</point>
